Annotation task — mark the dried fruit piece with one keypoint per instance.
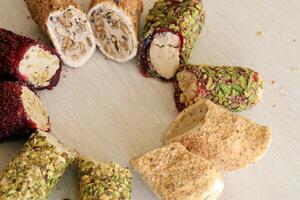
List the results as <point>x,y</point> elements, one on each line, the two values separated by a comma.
<point>36,170</point>
<point>67,27</point>
<point>171,29</point>
<point>234,88</point>
<point>23,59</point>
<point>174,173</point>
<point>229,141</point>
<point>105,181</point>
<point>115,25</point>
<point>21,112</point>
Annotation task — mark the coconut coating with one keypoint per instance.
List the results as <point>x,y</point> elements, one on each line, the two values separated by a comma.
<point>13,47</point>
<point>14,121</point>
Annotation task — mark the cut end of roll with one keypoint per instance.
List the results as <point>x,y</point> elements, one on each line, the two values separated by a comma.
<point>72,36</point>
<point>164,53</point>
<point>40,67</point>
<point>114,31</point>
<point>34,109</point>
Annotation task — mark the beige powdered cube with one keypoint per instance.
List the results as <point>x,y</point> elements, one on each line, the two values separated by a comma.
<point>227,140</point>
<point>115,25</point>
<point>173,173</point>
<point>67,27</point>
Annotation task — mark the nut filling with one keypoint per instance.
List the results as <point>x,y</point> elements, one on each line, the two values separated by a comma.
<point>164,53</point>
<point>34,109</point>
<point>39,66</point>
<point>188,84</point>
<point>72,36</point>
<point>114,32</point>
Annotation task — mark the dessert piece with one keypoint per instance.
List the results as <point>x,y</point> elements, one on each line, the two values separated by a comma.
<point>35,171</point>
<point>103,181</point>
<point>171,29</point>
<point>23,59</point>
<point>67,27</point>
<point>21,112</point>
<point>227,140</point>
<point>173,173</point>
<point>234,88</point>
<point>115,24</point>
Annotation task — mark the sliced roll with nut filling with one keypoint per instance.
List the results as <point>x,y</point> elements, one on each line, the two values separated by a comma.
<point>67,27</point>
<point>36,170</point>
<point>229,141</point>
<point>234,88</point>
<point>171,30</point>
<point>23,59</point>
<point>99,180</point>
<point>115,24</point>
<point>21,112</point>
<point>174,173</point>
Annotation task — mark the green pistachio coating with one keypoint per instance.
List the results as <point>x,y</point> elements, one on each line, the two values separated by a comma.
<point>184,17</point>
<point>103,181</point>
<point>235,88</point>
<point>35,171</point>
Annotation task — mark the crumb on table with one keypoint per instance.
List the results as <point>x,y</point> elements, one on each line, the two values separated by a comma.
<point>259,33</point>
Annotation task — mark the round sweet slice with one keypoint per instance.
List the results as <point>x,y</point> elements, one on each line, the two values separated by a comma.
<point>39,67</point>
<point>115,27</point>
<point>174,173</point>
<point>21,112</point>
<point>229,141</point>
<point>72,36</point>
<point>164,53</point>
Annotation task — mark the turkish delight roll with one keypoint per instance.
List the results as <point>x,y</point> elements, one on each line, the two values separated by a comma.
<point>36,170</point>
<point>235,88</point>
<point>23,59</point>
<point>170,32</point>
<point>115,24</point>
<point>21,111</point>
<point>103,181</point>
<point>67,27</point>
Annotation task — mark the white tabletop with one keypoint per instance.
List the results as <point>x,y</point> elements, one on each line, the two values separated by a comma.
<point>108,111</point>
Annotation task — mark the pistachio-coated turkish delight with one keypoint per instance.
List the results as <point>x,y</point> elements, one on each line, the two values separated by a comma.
<point>103,181</point>
<point>170,32</point>
<point>235,88</point>
<point>35,171</point>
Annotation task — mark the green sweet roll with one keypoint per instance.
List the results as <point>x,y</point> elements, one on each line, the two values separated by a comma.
<point>235,88</point>
<point>36,170</point>
<point>170,32</point>
<point>103,181</point>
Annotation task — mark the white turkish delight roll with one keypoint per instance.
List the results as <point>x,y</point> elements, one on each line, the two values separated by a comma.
<point>67,27</point>
<point>115,24</point>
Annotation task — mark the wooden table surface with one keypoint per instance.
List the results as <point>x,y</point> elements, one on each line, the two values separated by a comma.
<point>108,111</point>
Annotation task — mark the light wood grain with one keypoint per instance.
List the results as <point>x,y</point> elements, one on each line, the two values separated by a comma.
<point>110,112</point>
